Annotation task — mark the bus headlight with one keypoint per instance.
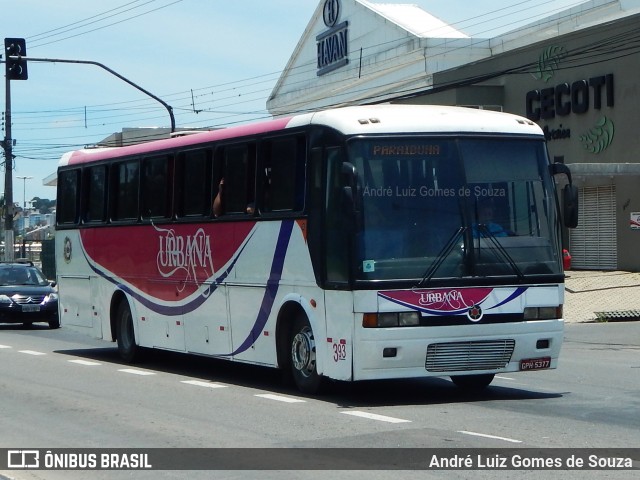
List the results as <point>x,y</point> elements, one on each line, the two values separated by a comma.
<point>387,320</point>
<point>391,319</point>
<point>408,319</point>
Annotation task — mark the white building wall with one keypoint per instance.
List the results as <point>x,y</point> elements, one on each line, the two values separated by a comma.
<point>395,49</point>
<point>386,57</point>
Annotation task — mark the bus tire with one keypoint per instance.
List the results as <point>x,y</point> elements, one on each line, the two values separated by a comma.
<point>303,356</point>
<point>473,382</point>
<point>128,350</point>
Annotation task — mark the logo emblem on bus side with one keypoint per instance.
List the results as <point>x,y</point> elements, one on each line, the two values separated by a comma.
<point>67,249</point>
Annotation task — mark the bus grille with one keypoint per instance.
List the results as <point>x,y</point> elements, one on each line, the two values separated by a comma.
<point>461,356</point>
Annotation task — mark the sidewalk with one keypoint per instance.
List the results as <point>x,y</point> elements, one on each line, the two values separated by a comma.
<point>614,292</point>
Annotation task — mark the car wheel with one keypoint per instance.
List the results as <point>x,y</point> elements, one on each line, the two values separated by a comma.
<point>303,356</point>
<point>125,335</point>
<point>54,323</point>
<point>473,382</point>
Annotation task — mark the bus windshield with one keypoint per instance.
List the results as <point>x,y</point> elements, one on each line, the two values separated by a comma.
<point>442,207</point>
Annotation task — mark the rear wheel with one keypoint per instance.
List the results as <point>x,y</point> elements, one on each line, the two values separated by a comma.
<point>128,350</point>
<point>303,356</point>
<point>473,382</point>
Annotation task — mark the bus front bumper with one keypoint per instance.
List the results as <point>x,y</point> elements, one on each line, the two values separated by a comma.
<point>410,352</point>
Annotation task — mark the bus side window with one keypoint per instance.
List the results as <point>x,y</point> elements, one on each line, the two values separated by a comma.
<point>283,180</point>
<point>193,184</point>
<point>155,187</point>
<point>124,189</point>
<point>95,194</point>
<point>238,193</point>
<point>68,197</point>
<point>337,246</point>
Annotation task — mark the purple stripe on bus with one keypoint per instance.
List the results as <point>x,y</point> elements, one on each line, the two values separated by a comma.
<point>272,288</point>
<point>519,291</point>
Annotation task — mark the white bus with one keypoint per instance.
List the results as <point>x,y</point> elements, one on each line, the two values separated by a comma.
<point>348,244</point>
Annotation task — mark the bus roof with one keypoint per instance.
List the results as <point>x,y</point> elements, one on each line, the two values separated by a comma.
<point>370,119</point>
<point>380,119</point>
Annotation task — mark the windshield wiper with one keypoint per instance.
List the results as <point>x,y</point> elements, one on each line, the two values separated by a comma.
<point>486,233</point>
<point>442,255</point>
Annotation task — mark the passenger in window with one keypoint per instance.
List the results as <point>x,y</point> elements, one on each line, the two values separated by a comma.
<point>217,202</point>
<point>218,207</point>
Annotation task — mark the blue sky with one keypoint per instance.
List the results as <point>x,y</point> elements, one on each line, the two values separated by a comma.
<point>218,56</point>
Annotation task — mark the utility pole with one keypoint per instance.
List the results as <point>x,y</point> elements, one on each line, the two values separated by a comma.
<point>16,69</point>
<point>8,176</point>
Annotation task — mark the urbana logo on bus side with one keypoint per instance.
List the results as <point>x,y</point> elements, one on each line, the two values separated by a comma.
<point>188,256</point>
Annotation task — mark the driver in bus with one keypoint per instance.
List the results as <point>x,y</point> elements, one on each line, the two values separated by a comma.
<point>487,223</point>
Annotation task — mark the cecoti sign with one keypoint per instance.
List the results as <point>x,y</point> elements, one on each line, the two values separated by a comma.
<point>565,98</point>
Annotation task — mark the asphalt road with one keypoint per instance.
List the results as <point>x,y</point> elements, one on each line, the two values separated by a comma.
<point>63,390</point>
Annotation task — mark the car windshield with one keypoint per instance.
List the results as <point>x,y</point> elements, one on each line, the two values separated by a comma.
<point>21,275</point>
<point>451,208</point>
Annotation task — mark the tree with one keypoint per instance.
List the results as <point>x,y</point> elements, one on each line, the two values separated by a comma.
<point>42,204</point>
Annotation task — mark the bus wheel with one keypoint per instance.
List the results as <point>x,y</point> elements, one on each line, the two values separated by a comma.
<point>303,357</point>
<point>127,348</point>
<point>473,382</point>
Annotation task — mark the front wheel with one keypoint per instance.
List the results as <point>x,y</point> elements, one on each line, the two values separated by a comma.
<point>125,335</point>
<point>473,382</point>
<point>303,357</point>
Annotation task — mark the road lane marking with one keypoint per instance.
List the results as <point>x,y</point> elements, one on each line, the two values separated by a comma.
<point>199,383</point>
<point>135,371</point>
<point>484,435</point>
<point>85,362</point>
<point>373,416</point>
<point>280,398</point>
<point>504,378</point>
<point>5,346</point>
<point>31,352</point>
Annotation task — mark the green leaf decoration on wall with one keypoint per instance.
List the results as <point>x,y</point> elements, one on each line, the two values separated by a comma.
<point>599,137</point>
<point>549,61</point>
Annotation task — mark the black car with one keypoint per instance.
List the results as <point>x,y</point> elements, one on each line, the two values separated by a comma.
<point>26,296</point>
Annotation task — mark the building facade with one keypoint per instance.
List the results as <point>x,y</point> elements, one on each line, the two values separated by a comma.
<point>574,73</point>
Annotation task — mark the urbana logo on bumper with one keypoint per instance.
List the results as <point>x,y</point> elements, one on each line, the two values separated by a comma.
<point>442,301</point>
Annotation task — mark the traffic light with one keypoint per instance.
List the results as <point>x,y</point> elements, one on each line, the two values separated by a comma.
<point>16,68</point>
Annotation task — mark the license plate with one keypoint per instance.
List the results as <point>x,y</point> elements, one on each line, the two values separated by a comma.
<point>535,363</point>
<point>30,308</point>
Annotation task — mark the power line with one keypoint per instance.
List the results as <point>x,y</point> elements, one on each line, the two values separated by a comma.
<point>107,25</point>
<point>229,115</point>
<point>83,22</point>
